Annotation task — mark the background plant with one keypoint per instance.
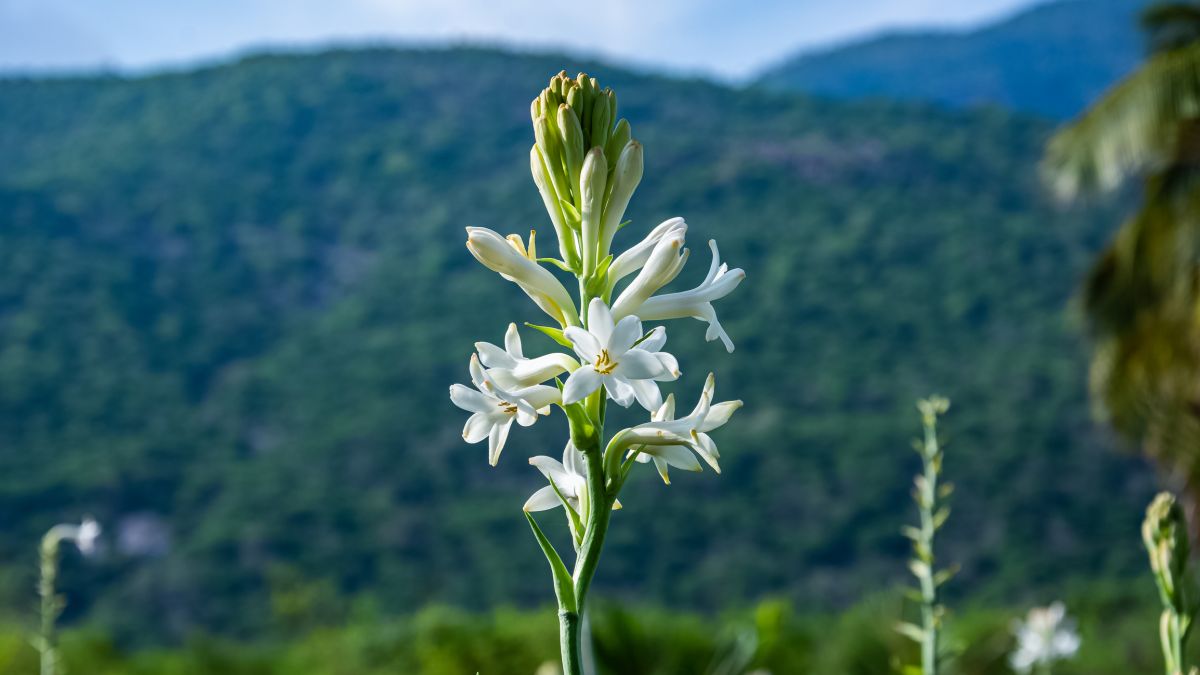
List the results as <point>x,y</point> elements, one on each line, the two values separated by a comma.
<point>930,495</point>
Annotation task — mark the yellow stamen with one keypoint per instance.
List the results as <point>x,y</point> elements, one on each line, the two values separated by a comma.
<point>604,365</point>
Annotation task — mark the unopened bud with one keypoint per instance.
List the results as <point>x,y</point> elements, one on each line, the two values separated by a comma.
<point>593,178</point>
<point>625,179</point>
<point>572,143</point>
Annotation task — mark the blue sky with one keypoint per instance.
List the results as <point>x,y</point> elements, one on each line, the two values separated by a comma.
<point>715,37</point>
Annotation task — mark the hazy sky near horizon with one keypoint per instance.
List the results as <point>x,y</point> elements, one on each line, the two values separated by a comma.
<point>723,38</point>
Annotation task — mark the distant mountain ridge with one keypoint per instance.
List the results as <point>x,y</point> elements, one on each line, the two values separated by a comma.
<point>1052,60</point>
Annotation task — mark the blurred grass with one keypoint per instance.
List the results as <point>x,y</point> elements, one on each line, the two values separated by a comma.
<point>1118,625</point>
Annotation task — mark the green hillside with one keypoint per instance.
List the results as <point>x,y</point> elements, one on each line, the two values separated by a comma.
<point>232,300</point>
<point>1052,59</point>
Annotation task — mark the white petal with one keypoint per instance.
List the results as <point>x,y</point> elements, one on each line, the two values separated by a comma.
<point>636,364</point>
<point>670,367</point>
<point>666,411</point>
<point>619,391</point>
<point>600,322</point>
<point>635,257</point>
<point>512,341</point>
<point>573,460</point>
<point>471,400</point>
<point>551,468</point>
<point>535,371</point>
<point>478,427</point>
<point>585,343</point>
<point>676,455</point>
<point>663,471</point>
<point>542,500</point>
<point>496,439</point>
<point>707,449</point>
<point>493,356</point>
<point>580,384</point>
<point>647,394</point>
<point>656,340</point>
<point>719,414</point>
<point>538,396</point>
<point>626,332</point>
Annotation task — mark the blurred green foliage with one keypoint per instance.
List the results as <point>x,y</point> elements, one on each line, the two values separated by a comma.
<point>232,300</point>
<point>1117,626</point>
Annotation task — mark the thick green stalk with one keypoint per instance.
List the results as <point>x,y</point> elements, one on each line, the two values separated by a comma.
<point>569,640</point>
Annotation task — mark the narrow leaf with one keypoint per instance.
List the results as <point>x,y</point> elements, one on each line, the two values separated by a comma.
<point>564,587</point>
<point>555,334</point>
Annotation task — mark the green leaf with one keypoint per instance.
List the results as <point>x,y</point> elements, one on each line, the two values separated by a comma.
<point>557,263</point>
<point>572,213</point>
<point>911,631</point>
<point>940,517</point>
<point>564,587</point>
<point>555,334</point>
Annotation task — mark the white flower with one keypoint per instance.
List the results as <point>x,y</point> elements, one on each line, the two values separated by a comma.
<point>611,359</point>
<point>665,262</point>
<point>632,260</point>
<point>569,476</point>
<point>495,408</point>
<point>1045,636</point>
<point>697,303</point>
<point>509,258</point>
<point>87,535</point>
<point>510,369</point>
<point>667,440</point>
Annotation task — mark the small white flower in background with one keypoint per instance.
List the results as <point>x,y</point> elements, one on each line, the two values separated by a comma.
<point>86,536</point>
<point>495,408</point>
<point>1045,636</point>
<point>697,303</point>
<point>667,440</point>
<point>510,369</point>
<point>613,358</point>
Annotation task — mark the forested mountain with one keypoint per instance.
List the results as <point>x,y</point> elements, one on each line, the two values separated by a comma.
<point>232,300</point>
<point>1052,59</point>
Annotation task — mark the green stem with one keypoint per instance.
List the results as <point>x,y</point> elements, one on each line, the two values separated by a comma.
<point>569,639</point>
<point>49,605</point>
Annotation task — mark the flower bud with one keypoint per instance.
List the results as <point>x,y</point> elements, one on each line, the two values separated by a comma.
<point>617,140</point>
<point>566,236</point>
<point>601,122</point>
<point>592,180</point>
<point>1165,534</point>
<point>625,180</point>
<point>511,262</point>
<point>572,144</point>
<point>664,264</point>
<point>550,145</point>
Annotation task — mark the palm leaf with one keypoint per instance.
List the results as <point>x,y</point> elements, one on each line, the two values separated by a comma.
<point>1133,129</point>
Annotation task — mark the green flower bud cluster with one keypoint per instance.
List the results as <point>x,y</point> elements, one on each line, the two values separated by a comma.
<point>1165,534</point>
<point>586,166</point>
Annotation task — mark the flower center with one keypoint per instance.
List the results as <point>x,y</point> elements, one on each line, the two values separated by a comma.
<point>508,408</point>
<point>604,364</point>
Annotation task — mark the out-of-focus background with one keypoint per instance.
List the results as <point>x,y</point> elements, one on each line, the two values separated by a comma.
<point>233,291</point>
